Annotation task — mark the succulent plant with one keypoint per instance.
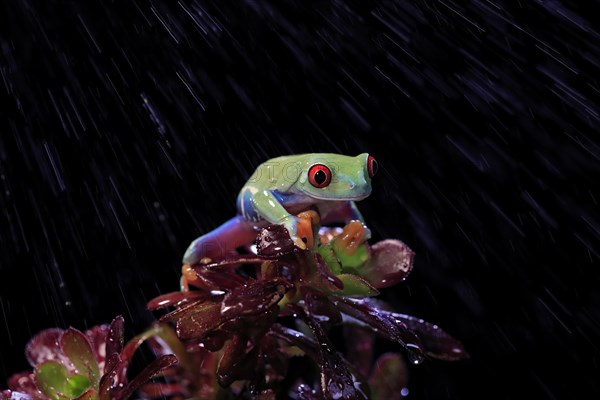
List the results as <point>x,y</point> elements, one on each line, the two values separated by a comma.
<point>258,311</point>
<point>248,326</point>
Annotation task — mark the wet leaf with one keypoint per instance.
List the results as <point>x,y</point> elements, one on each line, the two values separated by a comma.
<point>77,347</point>
<point>384,324</point>
<point>388,378</point>
<point>305,392</point>
<point>14,395</point>
<point>109,379</point>
<point>337,381</point>
<point>76,385</point>
<point>327,281</point>
<point>45,346</point>
<point>330,258</point>
<point>354,260</point>
<point>320,308</point>
<point>152,370</point>
<point>355,286</point>
<point>254,298</point>
<point>390,263</point>
<point>97,338</point>
<point>199,321</point>
<point>51,379</point>
<point>90,394</point>
<point>219,279</point>
<point>114,340</point>
<point>438,344</point>
<point>237,362</point>
<point>274,242</point>
<point>177,299</point>
<point>24,382</point>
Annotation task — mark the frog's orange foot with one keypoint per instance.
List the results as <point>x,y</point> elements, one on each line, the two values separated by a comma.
<point>307,221</point>
<point>353,234</point>
<point>188,275</point>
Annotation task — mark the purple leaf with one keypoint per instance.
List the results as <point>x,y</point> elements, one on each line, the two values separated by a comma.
<point>320,308</point>
<point>355,286</point>
<point>254,298</point>
<point>97,338</point>
<point>76,346</point>
<point>388,378</point>
<point>337,382</point>
<point>438,344</point>
<point>25,382</point>
<point>200,320</point>
<point>177,299</point>
<point>212,341</point>
<point>237,362</point>
<point>390,263</point>
<point>305,392</point>
<point>114,338</point>
<point>217,278</point>
<point>155,368</point>
<point>274,241</point>
<point>13,395</point>
<point>45,346</point>
<point>108,381</point>
<point>384,324</point>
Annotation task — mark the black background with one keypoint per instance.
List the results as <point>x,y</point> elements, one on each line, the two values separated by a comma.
<point>129,126</point>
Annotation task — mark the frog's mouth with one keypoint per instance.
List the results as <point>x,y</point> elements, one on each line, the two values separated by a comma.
<point>335,197</point>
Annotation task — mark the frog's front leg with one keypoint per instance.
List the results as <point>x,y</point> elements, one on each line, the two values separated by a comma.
<point>215,244</point>
<point>267,205</point>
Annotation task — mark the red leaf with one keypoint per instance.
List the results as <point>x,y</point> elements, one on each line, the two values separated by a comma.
<point>384,324</point>
<point>390,263</point>
<point>25,382</point>
<point>438,344</point>
<point>254,298</point>
<point>274,241</point>
<point>177,299</point>
<point>199,321</point>
<point>114,338</point>
<point>45,346</point>
<point>337,381</point>
<point>237,362</point>
<point>79,350</point>
<point>147,373</point>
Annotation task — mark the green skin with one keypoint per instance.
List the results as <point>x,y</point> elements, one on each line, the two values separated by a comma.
<point>278,190</point>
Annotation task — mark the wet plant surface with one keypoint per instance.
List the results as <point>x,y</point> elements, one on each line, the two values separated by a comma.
<point>238,328</point>
<point>130,126</point>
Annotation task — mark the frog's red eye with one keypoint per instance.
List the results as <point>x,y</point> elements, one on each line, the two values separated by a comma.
<point>372,166</point>
<point>319,175</point>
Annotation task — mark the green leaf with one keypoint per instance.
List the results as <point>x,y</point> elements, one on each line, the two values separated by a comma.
<point>51,379</point>
<point>355,286</point>
<point>91,394</point>
<point>77,385</point>
<point>330,258</point>
<point>351,260</point>
<point>77,347</point>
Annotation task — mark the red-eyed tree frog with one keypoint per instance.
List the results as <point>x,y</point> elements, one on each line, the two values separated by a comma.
<point>285,186</point>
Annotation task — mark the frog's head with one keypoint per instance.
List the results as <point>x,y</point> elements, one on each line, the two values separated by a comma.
<point>336,177</point>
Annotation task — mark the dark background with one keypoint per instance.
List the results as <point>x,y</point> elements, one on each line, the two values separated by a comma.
<point>129,126</point>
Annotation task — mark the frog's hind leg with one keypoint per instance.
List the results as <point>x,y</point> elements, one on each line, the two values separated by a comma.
<point>215,244</point>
